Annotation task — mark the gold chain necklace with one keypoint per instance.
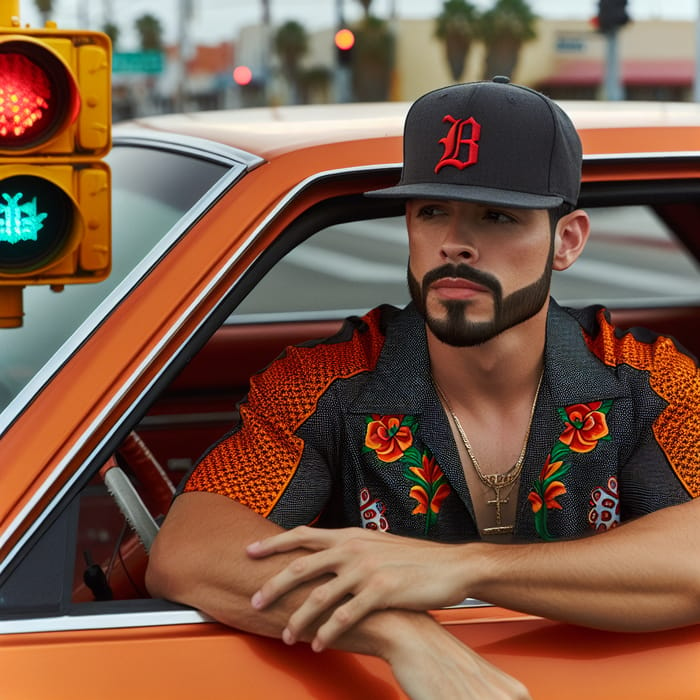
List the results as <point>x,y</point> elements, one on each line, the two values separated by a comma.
<point>496,482</point>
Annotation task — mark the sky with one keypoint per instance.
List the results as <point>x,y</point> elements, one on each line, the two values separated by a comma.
<point>214,21</point>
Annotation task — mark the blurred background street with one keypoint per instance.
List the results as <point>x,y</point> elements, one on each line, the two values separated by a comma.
<point>185,55</point>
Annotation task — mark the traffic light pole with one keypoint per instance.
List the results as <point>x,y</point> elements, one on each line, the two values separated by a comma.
<point>696,82</point>
<point>342,77</point>
<point>614,89</point>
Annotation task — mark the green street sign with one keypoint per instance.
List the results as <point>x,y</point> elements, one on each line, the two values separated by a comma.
<point>137,62</point>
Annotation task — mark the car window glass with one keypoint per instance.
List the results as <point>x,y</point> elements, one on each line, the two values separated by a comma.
<point>151,190</point>
<point>88,553</point>
<point>353,266</point>
<point>631,257</point>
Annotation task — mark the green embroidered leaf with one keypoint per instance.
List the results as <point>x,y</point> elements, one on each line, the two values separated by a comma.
<point>558,451</point>
<point>415,478</point>
<point>563,414</point>
<point>606,406</point>
<point>541,524</point>
<point>413,457</point>
<point>410,422</point>
<point>430,518</point>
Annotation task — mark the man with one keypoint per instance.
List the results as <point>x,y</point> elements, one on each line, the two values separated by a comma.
<point>483,411</point>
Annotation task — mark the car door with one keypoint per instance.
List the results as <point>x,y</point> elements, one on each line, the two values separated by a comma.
<point>168,364</point>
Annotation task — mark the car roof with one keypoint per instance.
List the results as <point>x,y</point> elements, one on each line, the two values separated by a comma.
<point>605,127</point>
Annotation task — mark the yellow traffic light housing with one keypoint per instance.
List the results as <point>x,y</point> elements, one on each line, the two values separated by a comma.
<point>55,128</point>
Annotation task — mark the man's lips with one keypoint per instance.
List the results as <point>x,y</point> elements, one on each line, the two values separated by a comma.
<point>456,287</point>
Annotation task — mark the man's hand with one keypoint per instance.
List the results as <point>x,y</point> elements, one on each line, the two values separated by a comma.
<point>429,662</point>
<point>373,570</point>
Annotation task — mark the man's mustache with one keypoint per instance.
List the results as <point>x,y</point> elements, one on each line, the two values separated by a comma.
<point>465,272</point>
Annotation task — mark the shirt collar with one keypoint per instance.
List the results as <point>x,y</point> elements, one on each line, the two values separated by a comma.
<point>401,382</point>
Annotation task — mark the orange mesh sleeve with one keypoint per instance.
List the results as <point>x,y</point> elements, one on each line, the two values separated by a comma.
<point>675,377</point>
<point>255,464</point>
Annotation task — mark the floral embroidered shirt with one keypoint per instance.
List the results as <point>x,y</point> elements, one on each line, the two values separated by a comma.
<point>349,431</point>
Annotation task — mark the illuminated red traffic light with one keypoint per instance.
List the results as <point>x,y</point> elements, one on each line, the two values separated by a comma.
<point>344,39</point>
<point>24,95</point>
<point>242,75</point>
<point>38,95</point>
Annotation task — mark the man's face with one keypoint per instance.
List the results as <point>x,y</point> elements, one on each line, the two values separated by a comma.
<point>476,270</point>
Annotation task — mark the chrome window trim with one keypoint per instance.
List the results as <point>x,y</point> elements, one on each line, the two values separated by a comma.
<point>132,279</point>
<point>188,145</point>
<point>150,618</point>
<point>103,621</point>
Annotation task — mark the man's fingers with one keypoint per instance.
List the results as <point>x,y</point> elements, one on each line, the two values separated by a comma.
<point>303,537</point>
<point>299,537</point>
<point>343,618</point>
<point>302,569</point>
<point>321,599</point>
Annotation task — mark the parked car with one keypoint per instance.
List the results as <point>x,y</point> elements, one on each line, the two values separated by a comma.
<point>236,234</point>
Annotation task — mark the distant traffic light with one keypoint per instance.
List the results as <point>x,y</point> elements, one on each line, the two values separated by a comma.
<point>344,40</point>
<point>55,128</point>
<point>612,14</point>
<point>242,75</point>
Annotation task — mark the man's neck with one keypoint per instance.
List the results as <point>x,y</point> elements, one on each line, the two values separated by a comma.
<point>503,367</point>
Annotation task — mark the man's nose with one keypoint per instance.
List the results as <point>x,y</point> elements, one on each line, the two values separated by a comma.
<point>458,245</point>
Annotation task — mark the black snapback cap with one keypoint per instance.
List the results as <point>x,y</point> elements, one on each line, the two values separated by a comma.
<point>493,142</point>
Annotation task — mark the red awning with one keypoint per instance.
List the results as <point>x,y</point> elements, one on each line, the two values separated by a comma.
<point>676,72</point>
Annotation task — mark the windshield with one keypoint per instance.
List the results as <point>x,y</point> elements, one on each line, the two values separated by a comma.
<point>151,191</point>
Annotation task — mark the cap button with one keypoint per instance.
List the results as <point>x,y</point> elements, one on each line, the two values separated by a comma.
<point>500,79</point>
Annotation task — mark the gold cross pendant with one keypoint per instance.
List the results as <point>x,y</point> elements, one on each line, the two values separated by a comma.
<point>498,502</point>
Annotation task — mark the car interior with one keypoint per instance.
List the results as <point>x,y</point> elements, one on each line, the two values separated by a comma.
<point>88,554</point>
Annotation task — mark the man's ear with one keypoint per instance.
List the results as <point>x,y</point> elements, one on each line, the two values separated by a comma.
<point>570,238</point>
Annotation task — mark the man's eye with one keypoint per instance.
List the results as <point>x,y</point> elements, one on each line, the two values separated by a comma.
<point>498,217</point>
<point>429,211</point>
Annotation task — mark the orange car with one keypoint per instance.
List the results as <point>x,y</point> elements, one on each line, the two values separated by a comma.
<point>236,234</point>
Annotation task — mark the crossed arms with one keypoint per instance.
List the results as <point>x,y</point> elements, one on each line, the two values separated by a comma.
<point>346,588</point>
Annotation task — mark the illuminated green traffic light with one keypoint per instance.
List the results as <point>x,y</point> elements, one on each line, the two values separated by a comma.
<point>36,218</point>
<point>19,221</point>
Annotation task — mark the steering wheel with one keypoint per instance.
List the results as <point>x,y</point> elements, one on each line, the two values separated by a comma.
<point>156,488</point>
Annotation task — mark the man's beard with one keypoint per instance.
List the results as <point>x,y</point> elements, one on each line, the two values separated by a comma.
<point>456,329</point>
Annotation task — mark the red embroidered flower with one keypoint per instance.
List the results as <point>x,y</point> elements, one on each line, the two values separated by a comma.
<point>430,488</point>
<point>388,436</point>
<point>548,488</point>
<point>551,493</point>
<point>585,426</point>
<point>434,489</point>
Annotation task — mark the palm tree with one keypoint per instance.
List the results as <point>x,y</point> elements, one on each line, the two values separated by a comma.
<point>112,31</point>
<point>150,32</point>
<point>373,60</point>
<point>457,25</point>
<point>504,28</point>
<point>45,8</point>
<point>291,44</point>
<point>314,84</point>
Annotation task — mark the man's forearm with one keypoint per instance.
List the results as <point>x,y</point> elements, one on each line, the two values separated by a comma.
<point>640,576</point>
<point>199,559</point>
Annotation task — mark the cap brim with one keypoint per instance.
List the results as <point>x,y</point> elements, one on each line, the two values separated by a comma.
<point>462,193</point>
